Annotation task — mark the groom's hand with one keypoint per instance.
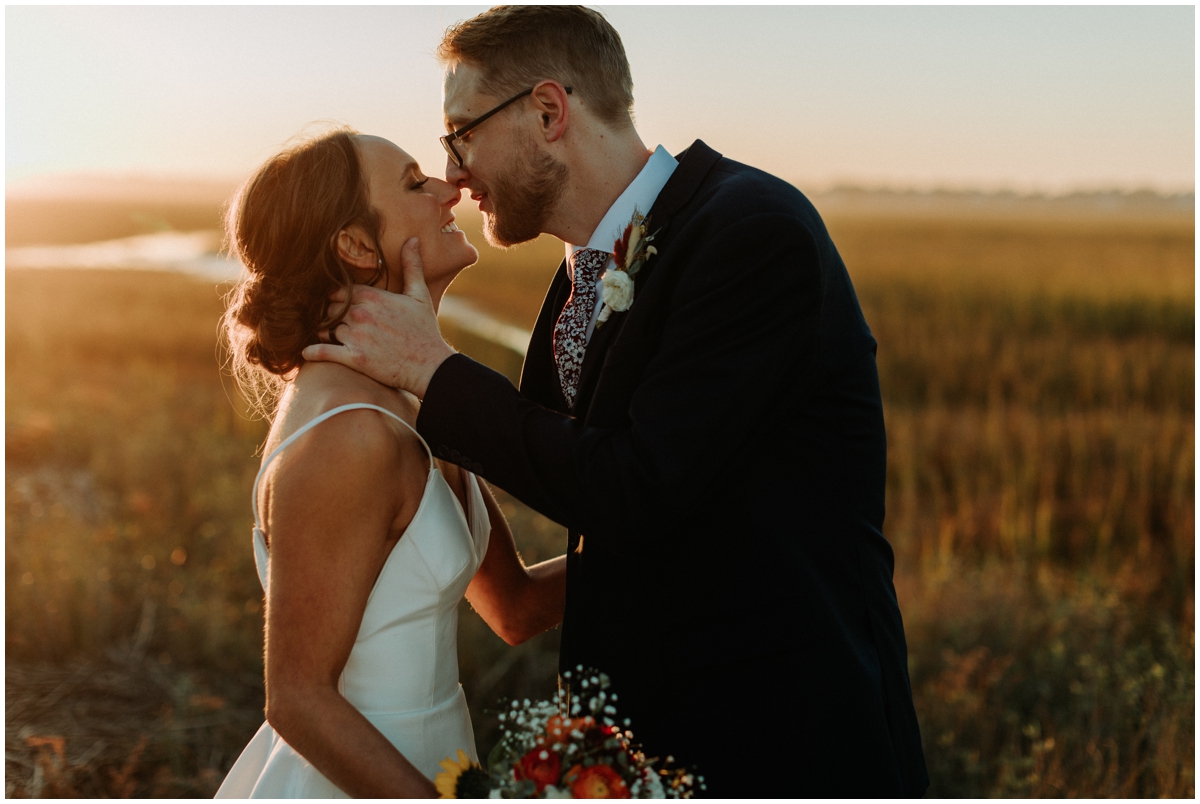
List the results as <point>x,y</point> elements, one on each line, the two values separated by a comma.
<point>393,338</point>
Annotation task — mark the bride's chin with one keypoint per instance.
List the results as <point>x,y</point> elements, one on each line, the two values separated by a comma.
<point>470,257</point>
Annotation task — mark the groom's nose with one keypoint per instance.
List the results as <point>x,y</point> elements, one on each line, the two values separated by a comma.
<point>458,176</point>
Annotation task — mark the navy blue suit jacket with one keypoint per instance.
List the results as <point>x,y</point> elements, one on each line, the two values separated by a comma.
<point>724,466</point>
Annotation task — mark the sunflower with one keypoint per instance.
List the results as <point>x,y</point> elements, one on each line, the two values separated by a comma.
<point>462,779</point>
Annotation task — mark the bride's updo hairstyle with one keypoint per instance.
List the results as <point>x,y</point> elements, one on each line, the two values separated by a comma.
<point>283,224</point>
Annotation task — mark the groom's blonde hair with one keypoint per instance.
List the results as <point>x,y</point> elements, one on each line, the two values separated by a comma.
<point>517,46</point>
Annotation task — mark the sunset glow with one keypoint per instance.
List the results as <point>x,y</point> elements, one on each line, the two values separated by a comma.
<point>1025,98</point>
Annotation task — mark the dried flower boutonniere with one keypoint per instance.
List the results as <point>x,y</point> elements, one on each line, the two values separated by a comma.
<point>630,254</point>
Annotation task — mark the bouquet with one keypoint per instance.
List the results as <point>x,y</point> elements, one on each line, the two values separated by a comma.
<point>552,750</point>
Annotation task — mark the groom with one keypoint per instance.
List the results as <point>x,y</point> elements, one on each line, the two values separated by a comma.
<point>709,428</point>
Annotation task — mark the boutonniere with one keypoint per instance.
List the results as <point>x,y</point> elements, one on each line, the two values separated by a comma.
<point>630,253</point>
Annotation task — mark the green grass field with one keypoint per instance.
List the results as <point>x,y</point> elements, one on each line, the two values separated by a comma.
<point>1038,384</point>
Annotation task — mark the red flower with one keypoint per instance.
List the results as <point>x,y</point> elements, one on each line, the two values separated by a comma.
<point>621,246</point>
<point>597,781</point>
<point>540,766</point>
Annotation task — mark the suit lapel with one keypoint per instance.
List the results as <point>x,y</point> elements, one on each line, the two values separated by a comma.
<point>694,165</point>
<point>539,373</point>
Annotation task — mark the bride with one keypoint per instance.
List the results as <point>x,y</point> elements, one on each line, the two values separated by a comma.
<point>364,543</point>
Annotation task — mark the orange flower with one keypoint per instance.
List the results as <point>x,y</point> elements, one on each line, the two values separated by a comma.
<point>597,781</point>
<point>540,766</point>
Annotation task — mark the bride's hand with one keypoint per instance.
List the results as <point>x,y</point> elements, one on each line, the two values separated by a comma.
<point>391,337</point>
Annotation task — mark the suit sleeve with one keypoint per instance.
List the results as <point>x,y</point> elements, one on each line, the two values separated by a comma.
<point>740,328</point>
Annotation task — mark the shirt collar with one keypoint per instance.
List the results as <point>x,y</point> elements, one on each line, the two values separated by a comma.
<point>640,195</point>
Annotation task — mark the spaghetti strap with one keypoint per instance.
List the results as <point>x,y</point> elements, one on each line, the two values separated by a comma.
<point>313,423</point>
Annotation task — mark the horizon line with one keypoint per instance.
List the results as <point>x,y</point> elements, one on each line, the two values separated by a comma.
<point>98,185</point>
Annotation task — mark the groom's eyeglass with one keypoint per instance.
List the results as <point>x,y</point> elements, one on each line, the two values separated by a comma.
<point>448,140</point>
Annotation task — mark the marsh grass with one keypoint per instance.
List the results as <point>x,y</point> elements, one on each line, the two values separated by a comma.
<point>1038,390</point>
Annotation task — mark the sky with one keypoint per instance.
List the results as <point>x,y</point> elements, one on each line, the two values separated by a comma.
<point>1032,99</point>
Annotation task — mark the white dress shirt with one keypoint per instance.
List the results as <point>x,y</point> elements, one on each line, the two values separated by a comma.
<point>639,195</point>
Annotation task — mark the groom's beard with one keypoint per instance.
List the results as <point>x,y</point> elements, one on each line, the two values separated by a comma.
<point>524,197</point>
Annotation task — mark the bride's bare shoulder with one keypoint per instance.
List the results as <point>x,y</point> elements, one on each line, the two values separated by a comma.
<point>372,438</point>
<point>358,466</point>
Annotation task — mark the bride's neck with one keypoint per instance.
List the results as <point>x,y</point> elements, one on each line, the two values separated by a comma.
<point>436,291</point>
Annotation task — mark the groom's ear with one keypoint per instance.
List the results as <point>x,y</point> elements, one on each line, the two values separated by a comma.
<point>356,248</point>
<point>550,101</point>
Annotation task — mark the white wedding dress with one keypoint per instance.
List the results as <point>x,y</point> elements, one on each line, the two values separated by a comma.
<point>402,673</point>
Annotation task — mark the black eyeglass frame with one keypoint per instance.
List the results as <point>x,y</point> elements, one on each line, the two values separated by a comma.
<point>448,140</point>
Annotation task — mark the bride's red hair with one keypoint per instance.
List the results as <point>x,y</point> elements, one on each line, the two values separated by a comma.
<point>283,225</point>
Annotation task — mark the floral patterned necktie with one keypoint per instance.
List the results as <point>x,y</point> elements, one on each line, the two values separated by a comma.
<point>570,332</point>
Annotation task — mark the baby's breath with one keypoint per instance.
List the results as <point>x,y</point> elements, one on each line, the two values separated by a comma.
<point>547,753</point>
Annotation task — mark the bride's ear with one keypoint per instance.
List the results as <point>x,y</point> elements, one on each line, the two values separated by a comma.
<point>356,248</point>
